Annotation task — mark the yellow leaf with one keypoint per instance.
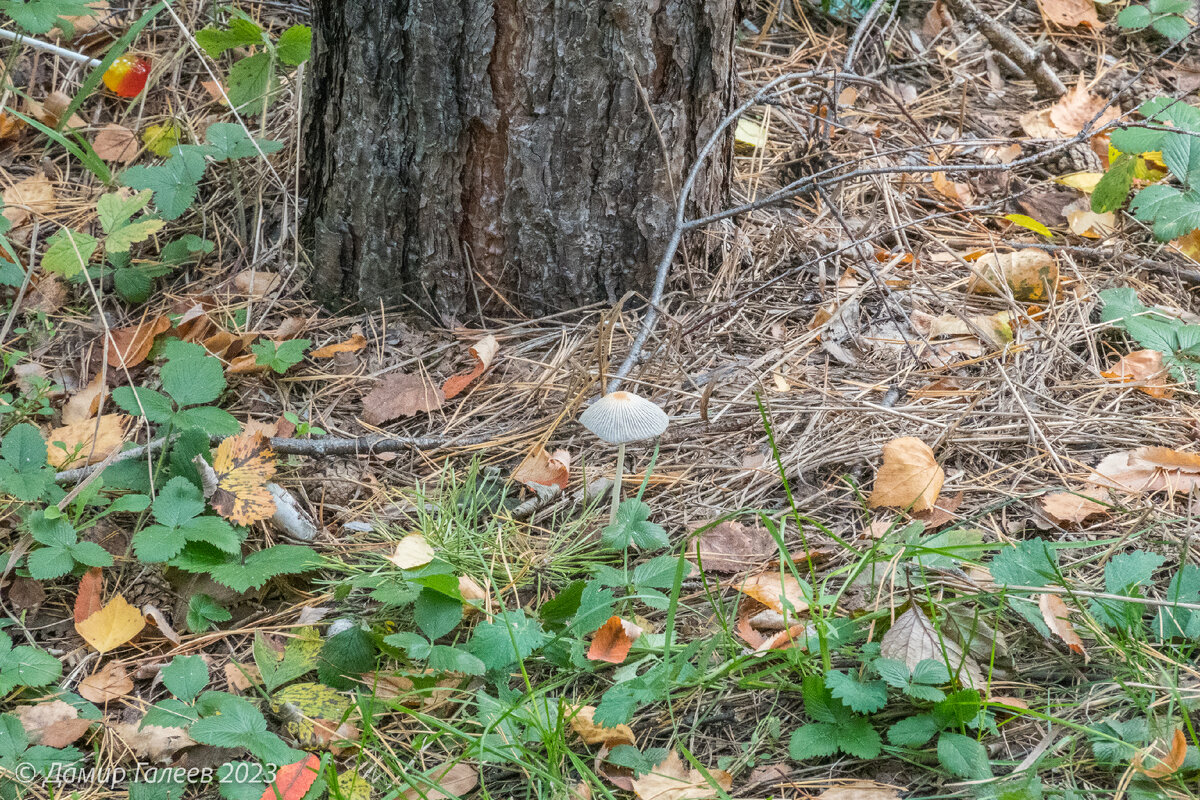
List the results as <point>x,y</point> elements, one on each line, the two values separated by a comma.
<point>909,478</point>
<point>353,786</point>
<point>411,552</point>
<point>584,724</point>
<point>241,468</point>
<point>1029,222</point>
<point>749,134</point>
<point>1030,274</point>
<point>1083,181</point>
<point>112,626</point>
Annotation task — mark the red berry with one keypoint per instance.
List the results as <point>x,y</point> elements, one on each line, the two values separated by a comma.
<point>127,75</point>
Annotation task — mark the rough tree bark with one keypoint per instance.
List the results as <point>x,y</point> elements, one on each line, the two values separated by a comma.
<point>474,155</point>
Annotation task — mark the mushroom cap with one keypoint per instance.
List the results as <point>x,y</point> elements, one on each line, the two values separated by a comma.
<point>623,417</point>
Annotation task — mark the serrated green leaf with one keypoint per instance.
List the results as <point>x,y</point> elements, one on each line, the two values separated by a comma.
<point>185,677</point>
<point>23,448</point>
<point>210,419</point>
<point>914,731</point>
<point>1030,563</point>
<point>1181,154</point>
<point>862,697</point>
<point>633,528</point>
<point>509,637</point>
<point>240,33</point>
<point>68,252</point>
<point>139,401</point>
<point>1113,188</point>
<point>813,741</point>
<point>963,756</point>
<point>294,45</point>
<point>114,210</point>
<point>123,238</point>
<point>227,141</point>
<point>436,614</point>
<point>250,81</point>
<point>1134,18</point>
<point>193,381</point>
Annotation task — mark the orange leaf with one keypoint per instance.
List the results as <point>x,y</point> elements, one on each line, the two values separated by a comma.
<point>1168,764</point>
<point>542,469</point>
<point>1145,368</point>
<point>1071,13</point>
<point>352,345</point>
<point>1056,614</point>
<point>87,441</point>
<point>89,600</point>
<point>1070,508</point>
<point>112,626</point>
<point>909,477</point>
<point>780,593</point>
<point>400,395</point>
<point>484,352</point>
<point>116,143</point>
<point>613,640</point>
<point>293,781</point>
<point>129,347</point>
<point>241,468</point>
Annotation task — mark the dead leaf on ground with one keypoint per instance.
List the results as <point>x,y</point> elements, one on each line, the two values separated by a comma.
<point>400,395</point>
<point>484,352</point>
<point>446,781</point>
<point>860,790</point>
<point>242,465</point>
<point>672,780</point>
<point>1071,13</point>
<point>152,742</point>
<point>1057,618</point>
<point>85,403</point>
<point>159,620</point>
<point>352,345</point>
<point>1087,223</point>
<point>942,512</point>
<point>81,25</point>
<point>780,593</point>
<point>913,639</point>
<point>1069,508</point>
<point>33,195</point>
<point>732,547</point>
<point>583,723</point>
<point>26,594</point>
<point>1031,275</point>
<point>46,294</point>
<point>957,191</point>
<point>257,283</point>
<point>613,640</point>
<point>109,683</point>
<point>129,347</point>
<point>86,442</point>
<point>412,551</point>
<point>1076,109</point>
<point>117,143</point>
<point>90,598</point>
<point>1145,369</point>
<point>540,468</point>
<point>50,110</point>
<point>1166,764</point>
<point>112,626</point>
<point>909,478</point>
<point>53,723</point>
<point>10,126</point>
<point>1148,470</point>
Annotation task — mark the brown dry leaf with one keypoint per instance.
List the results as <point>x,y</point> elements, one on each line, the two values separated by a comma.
<point>584,724</point>
<point>942,512</point>
<point>256,283</point>
<point>10,126</point>
<point>994,330</point>
<point>34,195</point>
<point>450,780</point>
<point>936,21</point>
<point>1076,109</point>
<point>47,294</point>
<point>26,594</point>
<point>54,723</point>
<point>1068,508</point>
<point>1167,764</point>
<point>82,24</point>
<point>90,598</point>
<point>1031,274</point>
<point>913,639</point>
<point>543,469</point>
<point>85,403</point>
<point>954,190</point>
<point>861,790</point>
<point>290,328</point>
<point>909,477</point>
<point>151,742</point>
<point>117,143</point>
<point>50,110</point>
<point>130,346</point>
<point>246,364</point>
<point>672,780</point>
<point>1070,13</point>
<point>110,682</point>
<point>412,551</point>
<point>241,468</point>
<point>241,677</point>
<point>352,345</point>
<point>780,593</point>
<point>484,352</point>
<point>112,626</point>
<point>1057,618</point>
<point>86,442</point>
<point>1145,368</point>
<point>1148,470</point>
<point>400,395</point>
<point>732,547</point>
<point>1087,223</point>
<point>613,640</point>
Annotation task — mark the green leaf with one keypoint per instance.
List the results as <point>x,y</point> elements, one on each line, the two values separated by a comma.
<point>452,659</point>
<point>349,653</point>
<point>23,448</point>
<point>203,611</point>
<point>596,605</point>
<point>228,140</point>
<point>136,400</point>
<point>1135,141</point>
<point>178,502</point>
<point>249,82</point>
<point>632,527</point>
<point>1026,221</point>
<point>657,573</point>
<point>241,33</point>
<point>31,666</point>
<point>47,563</point>
<point>260,567</point>
<point>813,741</point>
<point>239,724</point>
<point>185,677</point>
<point>210,419</point>
<point>1134,18</point>
<point>1170,6</point>
<point>1181,154</point>
<point>68,252</point>
<point>115,210</point>
<point>294,45</point>
<point>192,381</point>
<point>186,248</point>
<point>858,738</point>
<point>279,357</point>
<point>436,614</point>
<point>963,756</point>
<point>1113,188</point>
<point>91,554</point>
<point>864,698</point>
<point>1174,27</point>
<point>1030,563</point>
<point>1173,623</point>
<point>509,637</point>
<point>915,731</point>
<point>1173,213</point>
<point>174,183</point>
<point>1127,570</point>
<point>40,16</point>
<point>416,645</point>
<point>122,239</point>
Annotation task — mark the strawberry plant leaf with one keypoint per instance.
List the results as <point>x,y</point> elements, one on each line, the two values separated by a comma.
<point>185,677</point>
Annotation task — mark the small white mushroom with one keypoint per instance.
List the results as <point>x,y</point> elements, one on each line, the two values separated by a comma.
<point>620,418</point>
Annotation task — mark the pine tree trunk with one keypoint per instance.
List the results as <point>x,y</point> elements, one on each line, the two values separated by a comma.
<point>489,155</point>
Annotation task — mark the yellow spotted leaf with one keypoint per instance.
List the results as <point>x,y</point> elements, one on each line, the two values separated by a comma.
<point>353,786</point>
<point>241,468</point>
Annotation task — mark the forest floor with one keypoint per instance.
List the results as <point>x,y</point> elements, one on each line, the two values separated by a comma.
<point>921,525</point>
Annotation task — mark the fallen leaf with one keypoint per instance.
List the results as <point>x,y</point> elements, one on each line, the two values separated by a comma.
<point>542,469</point>
<point>1076,109</point>
<point>85,403</point>
<point>109,683</point>
<point>112,626</point>
<point>86,442</point>
<point>241,468</point>
<point>352,345</point>
<point>1057,618</point>
<point>293,781</point>
<point>1145,368</point>
<point>861,790</point>
<point>129,347</point>
<point>1068,508</point>
<point>117,143</point>
<point>10,126</point>
<point>256,283</point>
<point>352,786</point>
<point>400,395</point>
<point>909,478</point>
<point>1087,223</point>
<point>33,195</point>
<point>241,677</point>
<point>672,780</point>
<point>1167,764</point>
<point>484,352</point>
<point>290,328</point>
<point>26,594</point>
<point>81,25</point>
<point>50,110</point>
<point>780,593</point>
<point>1031,274</point>
<point>443,782</point>
<point>90,598</point>
<point>994,330</point>
<point>954,190</point>
<point>152,742</point>
<point>1083,181</point>
<point>941,513</point>
<point>53,723</point>
<point>749,135</point>
<point>411,552</point>
<point>732,547</point>
<point>153,615</point>
<point>246,364</point>
<point>584,724</point>
<point>1148,470</point>
<point>913,639</point>
<point>612,641</point>
<point>46,294</point>
<point>1070,13</point>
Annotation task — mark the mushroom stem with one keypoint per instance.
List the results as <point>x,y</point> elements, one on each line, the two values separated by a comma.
<point>616,489</point>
